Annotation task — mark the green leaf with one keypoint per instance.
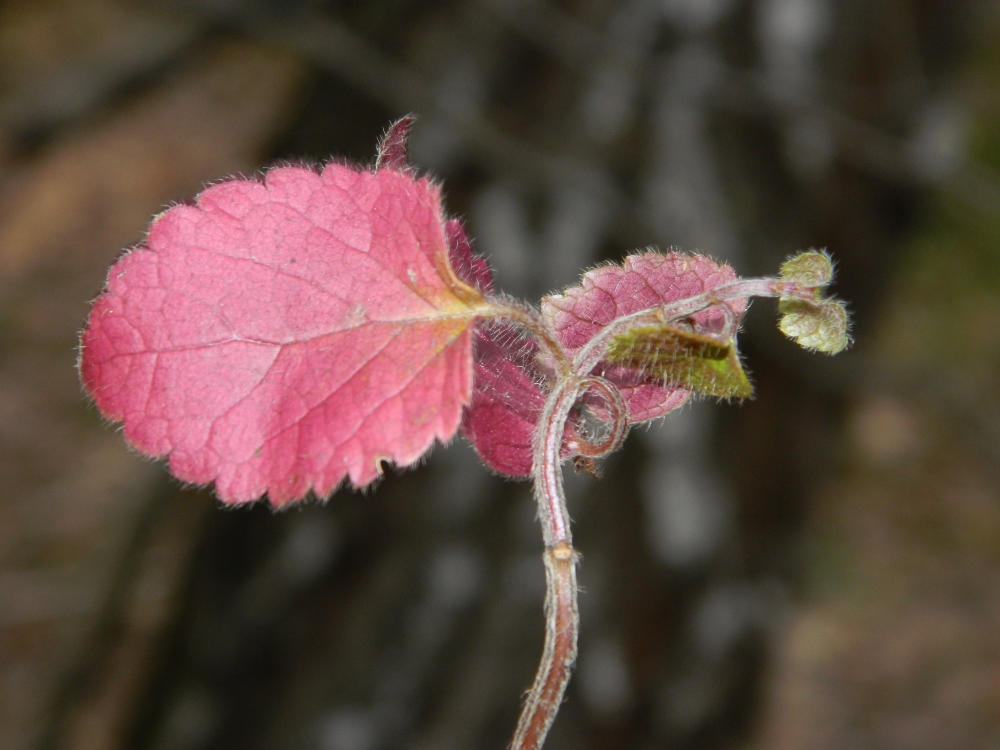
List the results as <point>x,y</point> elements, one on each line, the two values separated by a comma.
<point>820,325</point>
<point>699,363</point>
<point>810,269</point>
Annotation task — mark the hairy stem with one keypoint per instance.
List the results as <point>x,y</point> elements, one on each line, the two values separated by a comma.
<point>547,462</point>
<point>590,355</point>
<point>561,628</point>
<point>530,320</point>
<point>561,614</point>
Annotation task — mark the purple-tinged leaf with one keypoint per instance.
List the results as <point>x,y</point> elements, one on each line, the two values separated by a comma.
<point>642,282</point>
<point>471,268</point>
<point>507,399</point>
<point>393,151</point>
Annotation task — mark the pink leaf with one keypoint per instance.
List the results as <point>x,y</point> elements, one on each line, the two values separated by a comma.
<point>278,337</point>
<point>471,268</point>
<point>506,396</point>
<point>641,282</point>
<point>393,151</point>
<point>506,400</point>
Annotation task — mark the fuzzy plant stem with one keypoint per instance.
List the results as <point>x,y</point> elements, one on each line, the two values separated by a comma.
<point>590,355</point>
<point>561,615</point>
<point>561,611</point>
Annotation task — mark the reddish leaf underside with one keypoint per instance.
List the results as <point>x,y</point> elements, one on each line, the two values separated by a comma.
<point>508,392</point>
<point>278,337</point>
<point>642,282</point>
<point>506,401</point>
<point>471,268</point>
<point>506,398</point>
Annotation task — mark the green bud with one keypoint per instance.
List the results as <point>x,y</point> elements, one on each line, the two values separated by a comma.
<point>821,325</point>
<point>812,268</point>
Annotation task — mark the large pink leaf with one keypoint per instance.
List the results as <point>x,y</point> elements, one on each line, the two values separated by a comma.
<point>643,281</point>
<point>278,337</point>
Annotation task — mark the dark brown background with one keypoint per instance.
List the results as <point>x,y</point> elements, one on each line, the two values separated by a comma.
<point>818,568</point>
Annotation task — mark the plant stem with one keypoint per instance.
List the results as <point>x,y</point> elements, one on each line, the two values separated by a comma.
<point>561,628</point>
<point>572,379</point>
<point>590,355</point>
<point>530,320</point>
<point>547,462</point>
<point>561,614</point>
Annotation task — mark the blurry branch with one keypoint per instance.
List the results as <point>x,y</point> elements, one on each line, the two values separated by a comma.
<point>335,48</point>
<point>332,47</point>
<point>864,146</point>
<point>858,143</point>
<point>98,705</point>
<point>557,33</point>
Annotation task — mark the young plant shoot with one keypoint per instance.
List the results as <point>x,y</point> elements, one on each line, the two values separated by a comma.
<point>280,337</point>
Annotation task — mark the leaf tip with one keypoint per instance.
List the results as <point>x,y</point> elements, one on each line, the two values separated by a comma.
<point>693,361</point>
<point>393,149</point>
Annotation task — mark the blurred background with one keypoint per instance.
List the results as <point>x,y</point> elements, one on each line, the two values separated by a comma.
<point>817,568</point>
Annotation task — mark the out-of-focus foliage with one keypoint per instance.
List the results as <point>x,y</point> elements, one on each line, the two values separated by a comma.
<point>895,643</point>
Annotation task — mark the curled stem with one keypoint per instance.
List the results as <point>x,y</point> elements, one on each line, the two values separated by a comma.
<point>561,612</point>
<point>618,428</point>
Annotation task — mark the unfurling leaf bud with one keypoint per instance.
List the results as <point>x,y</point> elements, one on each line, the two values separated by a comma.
<point>812,269</point>
<point>812,321</point>
<point>821,326</point>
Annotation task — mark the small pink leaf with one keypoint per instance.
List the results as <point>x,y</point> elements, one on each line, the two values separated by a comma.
<point>278,337</point>
<point>393,151</point>
<point>642,282</point>
<point>508,396</point>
